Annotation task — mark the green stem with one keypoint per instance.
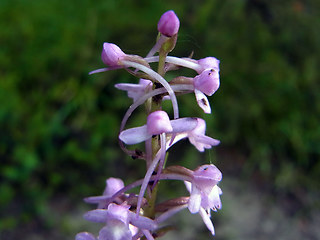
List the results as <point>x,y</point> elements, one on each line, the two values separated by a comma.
<point>155,142</point>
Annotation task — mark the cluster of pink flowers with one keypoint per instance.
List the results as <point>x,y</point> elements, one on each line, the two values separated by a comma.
<point>134,216</point>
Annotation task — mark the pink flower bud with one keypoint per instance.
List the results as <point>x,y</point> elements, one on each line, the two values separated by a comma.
<point>207,82</point>
<point>158,122</point>
<point>169,24</point>
<point>111,54</point>
<point>209,63</point>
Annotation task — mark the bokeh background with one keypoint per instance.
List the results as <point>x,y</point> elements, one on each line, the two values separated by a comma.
<point>58,125</point>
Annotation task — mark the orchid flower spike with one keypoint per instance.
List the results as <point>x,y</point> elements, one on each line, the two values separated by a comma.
<point>169,24</point>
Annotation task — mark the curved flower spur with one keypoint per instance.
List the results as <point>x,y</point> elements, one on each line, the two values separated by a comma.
<point>139,215</point>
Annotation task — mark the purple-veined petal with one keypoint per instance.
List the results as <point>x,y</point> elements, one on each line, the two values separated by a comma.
<point>135,135</point>
<point>202,101</point>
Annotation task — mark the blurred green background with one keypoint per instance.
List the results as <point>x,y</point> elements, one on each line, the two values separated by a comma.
<point>58,125</point>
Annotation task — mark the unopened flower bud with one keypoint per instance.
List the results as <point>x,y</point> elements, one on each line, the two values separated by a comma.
<point>169,24</point>
<point>209,63</point>
<point>158,122</point>
<point>207,82</point>
<point>111,54</point>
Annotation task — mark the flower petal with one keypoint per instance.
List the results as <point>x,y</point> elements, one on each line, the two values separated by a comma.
<point>135,135</point>
<point>203,142</point>
<point>195,200</point>
<point>142,222</point>
<point>97,215</point>
<point>207,221</point>
<point>113,185</point>
<point>183,124</point>
<point>214,198</point>
<point>202,101</point>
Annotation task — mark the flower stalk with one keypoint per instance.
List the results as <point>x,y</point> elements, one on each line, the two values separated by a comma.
<point>139,215</point>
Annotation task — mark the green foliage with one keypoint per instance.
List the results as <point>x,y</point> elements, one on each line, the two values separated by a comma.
<point>59,126</point>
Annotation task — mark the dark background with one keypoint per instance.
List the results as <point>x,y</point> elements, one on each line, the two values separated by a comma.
<point>58,125</point>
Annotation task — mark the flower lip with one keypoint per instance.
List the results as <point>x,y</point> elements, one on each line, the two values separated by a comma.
<point>111,54</point>
<point>169,24</point>
<point>207,82</point>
